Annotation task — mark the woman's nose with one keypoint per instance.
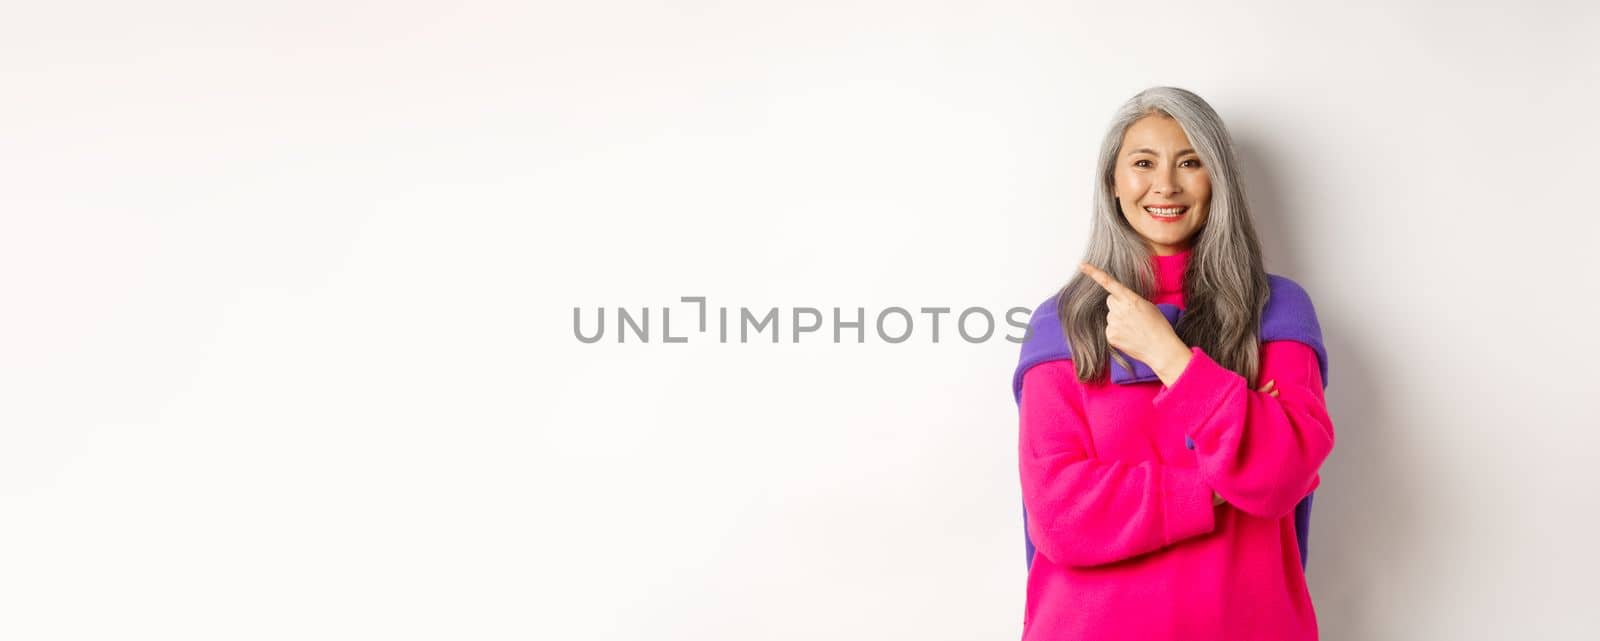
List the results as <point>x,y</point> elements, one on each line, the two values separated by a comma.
<point>1165,186</point>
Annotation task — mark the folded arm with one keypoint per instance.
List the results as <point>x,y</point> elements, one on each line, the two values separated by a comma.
<point>1260,452</point>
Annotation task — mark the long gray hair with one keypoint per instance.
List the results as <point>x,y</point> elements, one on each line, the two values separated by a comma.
<point>1225,286</point>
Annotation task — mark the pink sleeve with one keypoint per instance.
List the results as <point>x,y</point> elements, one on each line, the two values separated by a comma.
<point>1085,511</point>
<point>1260,452</point>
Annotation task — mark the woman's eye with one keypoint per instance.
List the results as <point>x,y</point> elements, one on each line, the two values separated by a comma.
<point>1136,163</point>
<point>1196,162</point>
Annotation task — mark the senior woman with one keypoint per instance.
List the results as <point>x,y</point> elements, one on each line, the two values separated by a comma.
<point>1172,419</point>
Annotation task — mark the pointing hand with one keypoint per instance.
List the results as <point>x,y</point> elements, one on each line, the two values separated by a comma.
<point>1133,324</point>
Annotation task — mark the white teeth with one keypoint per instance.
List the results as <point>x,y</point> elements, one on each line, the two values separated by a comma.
<point>1173,211</point>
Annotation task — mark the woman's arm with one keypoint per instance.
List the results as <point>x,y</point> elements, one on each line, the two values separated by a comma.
<point>1083,511</point>
<point>1260,452</point>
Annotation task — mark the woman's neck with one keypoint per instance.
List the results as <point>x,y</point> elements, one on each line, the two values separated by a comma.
<point>1169,277</point>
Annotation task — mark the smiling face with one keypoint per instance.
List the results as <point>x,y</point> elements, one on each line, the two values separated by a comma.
<point>1156,169</point>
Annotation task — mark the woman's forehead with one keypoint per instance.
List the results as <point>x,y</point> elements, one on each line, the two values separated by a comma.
<point>1158,138</point>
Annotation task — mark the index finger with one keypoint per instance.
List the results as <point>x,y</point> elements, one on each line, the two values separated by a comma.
<point>1105,280</point>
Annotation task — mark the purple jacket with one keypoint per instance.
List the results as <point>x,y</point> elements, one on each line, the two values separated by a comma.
<point>1289,315</point>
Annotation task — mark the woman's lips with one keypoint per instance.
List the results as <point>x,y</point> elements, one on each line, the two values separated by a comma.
<point>1168,219</point>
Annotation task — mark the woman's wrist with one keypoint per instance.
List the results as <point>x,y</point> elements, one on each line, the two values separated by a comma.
<point>1172,363</point>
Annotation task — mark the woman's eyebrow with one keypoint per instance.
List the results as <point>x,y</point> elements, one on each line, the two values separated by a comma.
<point>1147,150</point>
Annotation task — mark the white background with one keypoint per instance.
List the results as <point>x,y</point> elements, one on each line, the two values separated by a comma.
<point>287,345</point>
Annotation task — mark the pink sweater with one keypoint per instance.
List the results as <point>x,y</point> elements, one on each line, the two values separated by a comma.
<point>1129,544</point>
